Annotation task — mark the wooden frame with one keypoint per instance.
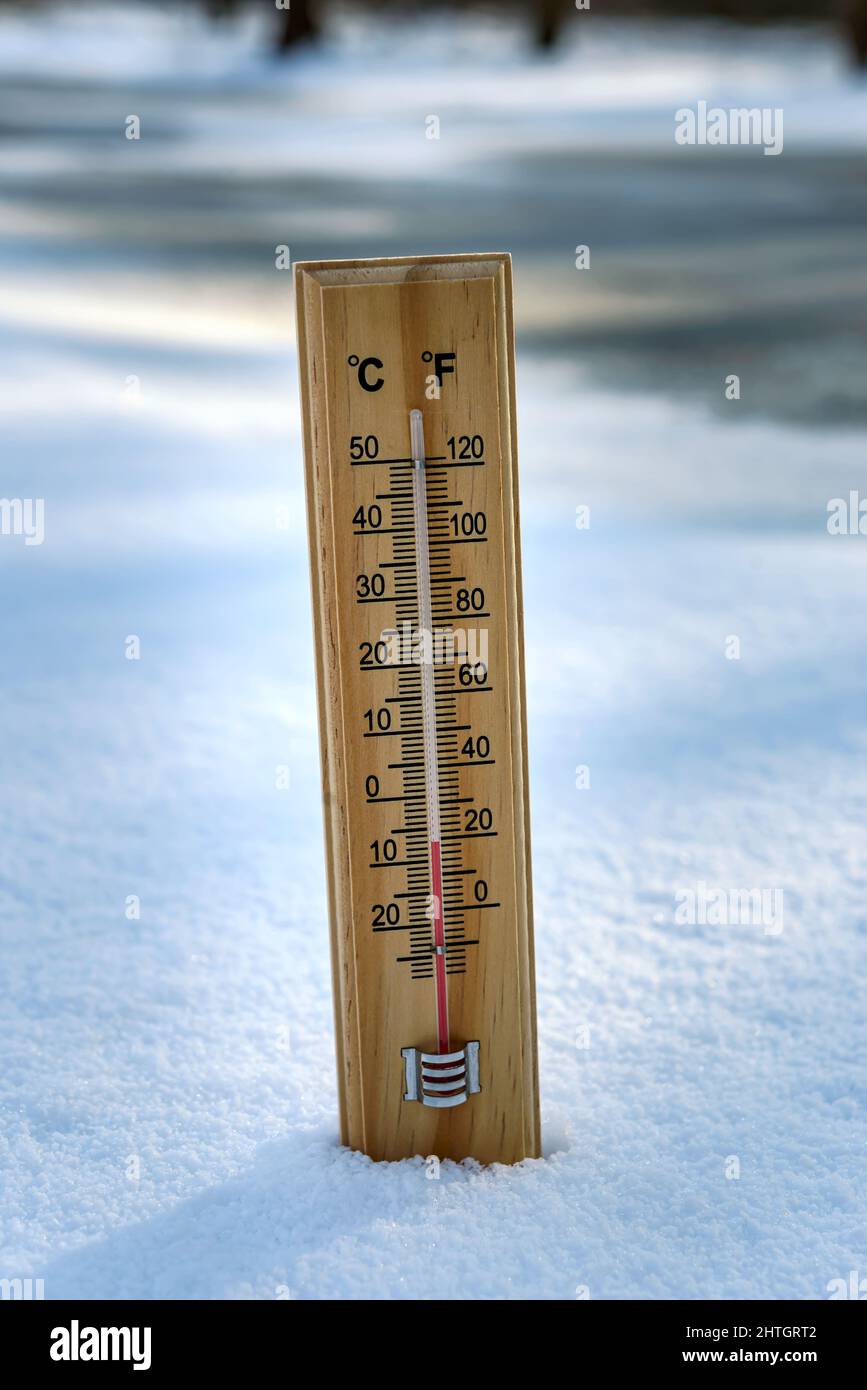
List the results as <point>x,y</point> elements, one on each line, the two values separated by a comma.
<point>398,313</point>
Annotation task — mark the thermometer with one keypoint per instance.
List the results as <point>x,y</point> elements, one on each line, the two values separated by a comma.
<point>408,404</point>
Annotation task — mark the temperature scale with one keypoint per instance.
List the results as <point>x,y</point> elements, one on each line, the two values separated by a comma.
<point>408,400</point>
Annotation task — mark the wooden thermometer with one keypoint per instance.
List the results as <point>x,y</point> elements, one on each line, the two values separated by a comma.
<point>408,397</point>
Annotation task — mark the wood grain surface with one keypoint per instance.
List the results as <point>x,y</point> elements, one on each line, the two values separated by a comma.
<point>369,334</point>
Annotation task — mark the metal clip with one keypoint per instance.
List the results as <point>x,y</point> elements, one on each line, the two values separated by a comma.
<point>441,1079</point>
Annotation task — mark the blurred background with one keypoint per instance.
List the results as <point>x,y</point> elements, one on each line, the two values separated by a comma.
<point>168,1089</point>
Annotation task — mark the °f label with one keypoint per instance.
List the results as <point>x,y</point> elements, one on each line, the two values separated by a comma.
<point>407,378</point>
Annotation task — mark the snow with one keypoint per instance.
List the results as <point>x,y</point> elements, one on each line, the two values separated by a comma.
<point>168,1094</point>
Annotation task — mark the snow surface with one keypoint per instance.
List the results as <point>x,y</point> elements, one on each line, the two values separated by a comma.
<point>168,1095</point>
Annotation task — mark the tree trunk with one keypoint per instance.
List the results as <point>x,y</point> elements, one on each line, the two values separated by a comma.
<point>549,20</point>
<point>856,22</point>
<point>296,23</point>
